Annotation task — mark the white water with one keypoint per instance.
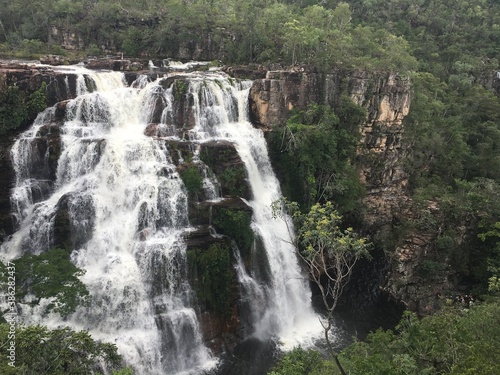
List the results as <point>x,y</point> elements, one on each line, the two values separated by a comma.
<point>282,310</point>
<point>125,182</point>
<point>122,189</point>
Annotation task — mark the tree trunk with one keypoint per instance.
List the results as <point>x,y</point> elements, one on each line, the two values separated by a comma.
<point>336,357</point>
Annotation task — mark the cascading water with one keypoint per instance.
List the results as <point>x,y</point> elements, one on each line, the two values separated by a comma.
<point>128,211</point>
<point>284,310</point>
<point>124,186</point>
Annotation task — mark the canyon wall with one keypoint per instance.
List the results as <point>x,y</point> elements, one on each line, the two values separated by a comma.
<point>381,154</point>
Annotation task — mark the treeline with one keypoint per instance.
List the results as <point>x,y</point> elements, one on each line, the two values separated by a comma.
<point>450,50</point>
<point>456,341</point>
<point>459,38</point>
<point>262,31</point>
<point>456,40</point>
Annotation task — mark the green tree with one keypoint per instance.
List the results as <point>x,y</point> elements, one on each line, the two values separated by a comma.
<point>271,27</point>
<point>192,179</point>
<point>493,260</point>
<point>212,267</point>
<point>40,351</point>
<point>17,107</point>
<point>449,342</point>
<point>303,362</point>
<point>454,341</point>
<point>328,251</point>
<point>51,275</point>
<point>314,155</point>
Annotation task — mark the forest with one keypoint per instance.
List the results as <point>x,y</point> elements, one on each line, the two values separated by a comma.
<point>450,52</point>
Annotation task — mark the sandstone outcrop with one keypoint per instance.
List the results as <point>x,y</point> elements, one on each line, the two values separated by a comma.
<point>386,98</point>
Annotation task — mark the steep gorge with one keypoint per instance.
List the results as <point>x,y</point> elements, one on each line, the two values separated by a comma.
<point>381,157</point>
<point>218,190</point>
<point>161,190</point>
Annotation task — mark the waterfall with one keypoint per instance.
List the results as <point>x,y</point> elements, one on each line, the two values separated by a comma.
<point>284,310</point>
<point>124,185</point>
<point>128,210</point>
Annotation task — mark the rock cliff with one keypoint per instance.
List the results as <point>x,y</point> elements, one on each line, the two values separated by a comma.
<point>386,98</point>
<point>380,160</point>
<point>229,217</point>
<point>27,78</point>
<point>381,153</point>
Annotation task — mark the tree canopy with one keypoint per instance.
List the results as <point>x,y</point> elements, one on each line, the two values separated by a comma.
<point>42,351</point>
<point>52,276</point>
<point>261,31</point>
<point>453,341</point>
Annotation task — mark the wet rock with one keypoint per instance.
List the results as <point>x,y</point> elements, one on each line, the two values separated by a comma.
<point>71,231</point>
<point>57,60</point>
<point>223,159</point>
<point>202,213</point>
<point>252,72</point>
<point>181,114</point>
<point>116,64</point>
<point>60,112</point>
<point>6,184</point>
<point>159,130</point>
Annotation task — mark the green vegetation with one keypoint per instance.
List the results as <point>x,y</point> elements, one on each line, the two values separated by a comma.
<point>328,252</point>
<point>453,341</point>
<point>231,175</point>
<point>260,31</point>
<point>450,50</point>
<point>179,88</point>
<point>232,180</point>
<point>192,179</point>
<point>314,155</point>
<point>454,40</point>
<point>236,225</point>
<point>40,351</point>
<point>17,107</point>
<point>215,276</point>
<point>51,275</point>
<point>303,362</point>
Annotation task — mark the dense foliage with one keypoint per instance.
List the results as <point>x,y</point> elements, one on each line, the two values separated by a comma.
<point>236,225</point>
<point>214,276</point>
<point>314,154</point>
<point>453,341</point>
<point>52,276</point>
<point>18,107</point>
<point>235,31</point>
<point>41,351</point>
<point>192,179</point>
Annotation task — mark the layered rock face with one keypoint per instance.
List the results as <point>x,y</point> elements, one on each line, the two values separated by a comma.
<point>28,78</point>
<point>386,98</point>
<point>381,154</point>
<point>229,215</point>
